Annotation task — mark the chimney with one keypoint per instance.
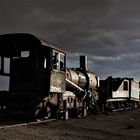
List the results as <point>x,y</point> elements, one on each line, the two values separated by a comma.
<point>83,62</point>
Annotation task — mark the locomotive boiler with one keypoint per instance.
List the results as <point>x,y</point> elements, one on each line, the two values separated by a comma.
<point>83,84</point>
<point>82,77</point>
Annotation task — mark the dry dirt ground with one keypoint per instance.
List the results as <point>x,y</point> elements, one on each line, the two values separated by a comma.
<point>124,125</point>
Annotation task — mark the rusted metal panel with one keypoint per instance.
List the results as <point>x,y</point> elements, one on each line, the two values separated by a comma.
<point>57,82</point>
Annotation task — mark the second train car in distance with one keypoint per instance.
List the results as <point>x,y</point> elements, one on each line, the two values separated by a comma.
<point>32,76</point>
<point>119,93</point>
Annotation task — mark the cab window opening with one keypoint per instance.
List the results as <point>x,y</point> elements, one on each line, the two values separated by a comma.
<point>62,62</point>
<point>58,61</point>
<point>55,59</point>
<point>125,86</point>
<point>42,63</point>
<point>45,62</point>
<point>5,65</point>
<point>0,62</point>
<point>25,54</point>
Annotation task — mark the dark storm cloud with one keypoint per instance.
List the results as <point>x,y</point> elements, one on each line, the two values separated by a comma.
<point>107,31</point>
<point>66,17</point>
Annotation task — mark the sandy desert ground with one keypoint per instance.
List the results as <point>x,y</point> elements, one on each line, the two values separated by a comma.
<point>123,125</point>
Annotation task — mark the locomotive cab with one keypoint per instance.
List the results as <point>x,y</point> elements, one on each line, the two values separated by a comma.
<point>32,75</point>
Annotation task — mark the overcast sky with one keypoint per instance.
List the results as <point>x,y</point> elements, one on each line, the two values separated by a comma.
<point>107,31</point>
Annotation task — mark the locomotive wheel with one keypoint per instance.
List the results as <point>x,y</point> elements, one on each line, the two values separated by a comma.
<point>42,113</point>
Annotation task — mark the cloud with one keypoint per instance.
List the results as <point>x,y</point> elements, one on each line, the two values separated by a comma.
<point>124,65</point>
<point>107,31</point>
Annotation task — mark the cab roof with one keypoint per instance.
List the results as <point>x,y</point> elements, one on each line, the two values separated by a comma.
<point>24,41</point>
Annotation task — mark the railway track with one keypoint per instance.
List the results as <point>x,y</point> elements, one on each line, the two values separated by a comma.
<point>122,109</point>
<point>17,124</point>
<point>11,124</point>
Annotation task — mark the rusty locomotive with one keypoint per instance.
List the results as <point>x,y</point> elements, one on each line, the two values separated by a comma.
<point>35,83</point>
<point>33,79</point>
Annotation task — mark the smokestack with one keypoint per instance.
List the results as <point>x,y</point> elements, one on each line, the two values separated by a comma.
<point>83,62</point>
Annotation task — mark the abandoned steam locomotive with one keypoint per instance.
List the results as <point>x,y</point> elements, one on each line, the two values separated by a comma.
<point>35,83</point>
<point>33,79</point>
